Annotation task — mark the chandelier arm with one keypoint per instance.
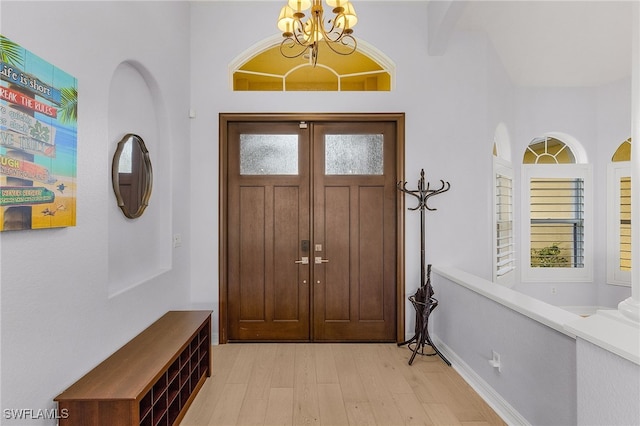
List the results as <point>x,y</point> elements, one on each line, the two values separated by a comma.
<point>343,41</point>
<point>291,45</point>
<point>300,36</point>
<point>334,21</point>
<point>326,35</point>
<point>339,32</point>
<point>340,36</point>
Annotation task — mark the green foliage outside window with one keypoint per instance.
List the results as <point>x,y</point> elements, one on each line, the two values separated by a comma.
<point>548,257</point>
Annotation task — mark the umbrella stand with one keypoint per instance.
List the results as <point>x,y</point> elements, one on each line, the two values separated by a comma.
<point>423,301</point>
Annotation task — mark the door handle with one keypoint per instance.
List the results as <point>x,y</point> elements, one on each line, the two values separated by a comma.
<point>304,260</point>
<point>319,260</point>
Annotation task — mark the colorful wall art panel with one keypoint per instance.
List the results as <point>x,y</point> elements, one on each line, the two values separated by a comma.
<point>38,141</point>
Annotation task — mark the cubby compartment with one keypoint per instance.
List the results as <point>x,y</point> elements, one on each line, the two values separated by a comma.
<point>154,378</point>
<point>173,370</point>
<point>145,408</point>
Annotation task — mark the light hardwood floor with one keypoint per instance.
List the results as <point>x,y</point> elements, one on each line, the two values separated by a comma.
<point>333,384</point>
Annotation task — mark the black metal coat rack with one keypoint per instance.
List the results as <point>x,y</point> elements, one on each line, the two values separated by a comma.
<point>423,300</point>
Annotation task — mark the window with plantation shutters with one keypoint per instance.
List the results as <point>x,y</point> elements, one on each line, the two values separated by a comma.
<point>557,222</point>
<point>504,225</point>
<point>504,250</point>
<point>625,223</point>
<point>504,253</point>
<point>556,212</point>
<point>619,216</point>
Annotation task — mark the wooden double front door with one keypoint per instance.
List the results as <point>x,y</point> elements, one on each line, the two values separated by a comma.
<point>311,231</point>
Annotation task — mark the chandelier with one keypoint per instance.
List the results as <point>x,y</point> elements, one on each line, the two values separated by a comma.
<point>302,35</point>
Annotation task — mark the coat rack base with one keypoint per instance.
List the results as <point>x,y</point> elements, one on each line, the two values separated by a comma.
<point>421,337</point>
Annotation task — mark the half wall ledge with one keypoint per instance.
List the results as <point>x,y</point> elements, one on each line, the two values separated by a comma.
<point>611,331</point>
<point>549,315</point>
<point>608,329</point>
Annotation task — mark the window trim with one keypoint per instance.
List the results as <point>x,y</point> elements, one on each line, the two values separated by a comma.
<point>615,171</point>
<point>529,274</point>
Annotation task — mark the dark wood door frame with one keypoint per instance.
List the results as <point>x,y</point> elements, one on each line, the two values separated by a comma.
<point>226,118</point>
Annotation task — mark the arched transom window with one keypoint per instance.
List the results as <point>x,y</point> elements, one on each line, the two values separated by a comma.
<point>548,150</point>
<point>265,69</point>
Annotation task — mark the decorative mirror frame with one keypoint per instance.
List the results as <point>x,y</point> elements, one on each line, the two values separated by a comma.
<point>148,176</point>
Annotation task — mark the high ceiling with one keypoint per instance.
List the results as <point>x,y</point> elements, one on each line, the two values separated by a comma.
<point>556,43</point>
<point>548,42</point>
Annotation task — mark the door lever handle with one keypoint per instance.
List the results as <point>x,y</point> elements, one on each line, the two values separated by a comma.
<point>303,261</point>
<point>319,260</point>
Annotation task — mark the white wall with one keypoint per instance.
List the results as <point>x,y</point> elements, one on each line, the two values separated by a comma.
<point>453,104</point>
<point>58,319</point>
<point>571,111</point>
<point>555,367</point>
<point>601,373</point>
<point>614,122</point>
<point>598,117</point>
<point>537,378</point>
<point>447,131</point>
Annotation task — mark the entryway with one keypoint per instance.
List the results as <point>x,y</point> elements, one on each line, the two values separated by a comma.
<point>311,229</point>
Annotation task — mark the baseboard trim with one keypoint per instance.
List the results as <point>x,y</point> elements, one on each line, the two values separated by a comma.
<point>502,408</point>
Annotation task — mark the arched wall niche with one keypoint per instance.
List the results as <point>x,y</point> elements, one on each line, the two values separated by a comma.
<point>139,249</point>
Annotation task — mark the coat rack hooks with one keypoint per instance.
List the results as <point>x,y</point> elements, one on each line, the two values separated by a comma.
<point>423,301</point>
<point>422,193</point>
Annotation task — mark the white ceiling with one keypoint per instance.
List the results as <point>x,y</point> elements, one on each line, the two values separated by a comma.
<point>557,43</point>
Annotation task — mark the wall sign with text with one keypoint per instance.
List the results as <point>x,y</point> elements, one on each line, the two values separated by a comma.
<point>38,141</point>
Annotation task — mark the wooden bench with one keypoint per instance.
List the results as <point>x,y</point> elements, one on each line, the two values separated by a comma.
<point>151,380</point>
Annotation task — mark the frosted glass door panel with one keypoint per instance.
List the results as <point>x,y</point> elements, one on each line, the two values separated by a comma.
<point>354,154</point>
<point>268,154</point>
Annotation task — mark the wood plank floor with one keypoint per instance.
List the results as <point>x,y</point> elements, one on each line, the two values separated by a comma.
<point>333,384</point>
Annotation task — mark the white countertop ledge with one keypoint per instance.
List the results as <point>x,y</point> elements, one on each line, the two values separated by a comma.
<point>610,330</point>
<point>549,315</point>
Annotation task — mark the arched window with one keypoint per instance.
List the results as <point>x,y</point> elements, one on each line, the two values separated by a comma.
<point>619,216</point>
<point>263,68</point>
<point>548,150</point>
<point>504,264</point>
<point>556,229</point>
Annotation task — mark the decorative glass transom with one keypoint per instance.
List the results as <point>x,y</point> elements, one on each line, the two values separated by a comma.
<point>268,70</point>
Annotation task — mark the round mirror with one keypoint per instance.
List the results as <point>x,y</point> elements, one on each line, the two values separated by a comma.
<point>131,175</point>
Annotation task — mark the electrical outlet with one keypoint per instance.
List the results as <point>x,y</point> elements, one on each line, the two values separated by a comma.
<point>495,361</point>
<point>177,240</point>
<point>554,290</point>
